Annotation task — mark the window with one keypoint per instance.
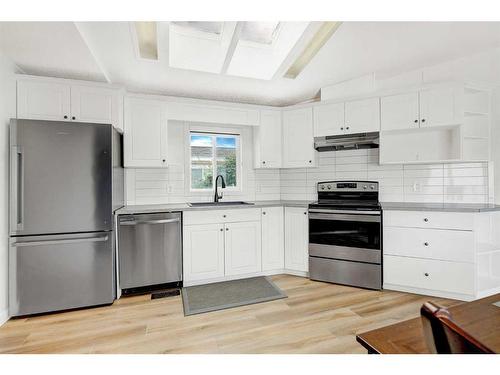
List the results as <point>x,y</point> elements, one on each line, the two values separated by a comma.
<point>212,155</point>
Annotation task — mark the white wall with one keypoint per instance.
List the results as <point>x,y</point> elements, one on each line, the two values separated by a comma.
<point>7,110</point>
<point>440,183</point>
<point>171,185</point>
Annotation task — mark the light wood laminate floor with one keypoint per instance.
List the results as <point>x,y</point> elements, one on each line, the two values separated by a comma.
<point>315,318</point>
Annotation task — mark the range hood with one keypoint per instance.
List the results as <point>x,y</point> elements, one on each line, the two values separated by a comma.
<point>347,141</point>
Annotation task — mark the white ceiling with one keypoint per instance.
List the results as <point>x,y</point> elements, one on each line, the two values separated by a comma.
<point>105,51</point>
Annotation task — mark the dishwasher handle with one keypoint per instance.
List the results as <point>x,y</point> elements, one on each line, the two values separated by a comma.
<point>161,221</point>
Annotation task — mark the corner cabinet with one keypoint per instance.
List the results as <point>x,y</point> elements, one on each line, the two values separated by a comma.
<point>145,133</point>
<point>62,100</point>
<point>298,138</point>
<point>268,140</point>
<point>297,239</point>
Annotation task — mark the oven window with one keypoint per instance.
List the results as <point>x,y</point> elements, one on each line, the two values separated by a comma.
<point>344,231</point>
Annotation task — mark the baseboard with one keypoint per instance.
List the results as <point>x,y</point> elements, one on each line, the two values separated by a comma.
<point>236,277</point>
<point>4,316</point>
<point>430,293</point>
<point>488,292</point>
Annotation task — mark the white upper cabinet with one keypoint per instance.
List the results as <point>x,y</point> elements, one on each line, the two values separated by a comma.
<point>145,135</point>
<point>268,140</point>
<point>273,240</point>
<point>94,104</point>
<point>43,100</point>
<point>399,111</point>
<point>362,116</point>
<point>59,100</point>
<point>298,138</point>
<point>328,119</point>
<point>427,108</point>
<point>437,107</point>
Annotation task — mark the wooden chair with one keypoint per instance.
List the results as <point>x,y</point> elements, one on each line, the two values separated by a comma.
<point>444,336</point>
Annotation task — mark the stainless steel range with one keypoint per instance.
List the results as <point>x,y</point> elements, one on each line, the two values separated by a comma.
<point>345,229</point>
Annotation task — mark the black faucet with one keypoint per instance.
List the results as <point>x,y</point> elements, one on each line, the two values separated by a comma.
<point>223,185</point>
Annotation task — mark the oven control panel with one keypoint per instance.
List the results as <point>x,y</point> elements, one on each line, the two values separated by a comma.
<point>348,186</point>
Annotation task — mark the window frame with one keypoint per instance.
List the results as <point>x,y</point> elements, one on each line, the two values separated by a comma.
<point>214,134</point>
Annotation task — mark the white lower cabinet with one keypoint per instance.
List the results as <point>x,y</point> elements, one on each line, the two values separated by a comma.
<point>296,239</point>
<point>228,247</point>
<point>273,239</point>
<point>203,254</point>
<point>442,254</point>
<point>242,248</point>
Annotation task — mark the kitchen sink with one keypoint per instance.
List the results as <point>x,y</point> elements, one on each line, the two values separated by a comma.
<point>208,204</point>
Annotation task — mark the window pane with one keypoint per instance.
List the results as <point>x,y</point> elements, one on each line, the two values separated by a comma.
<point>226,159</point>
<point>201,161</point>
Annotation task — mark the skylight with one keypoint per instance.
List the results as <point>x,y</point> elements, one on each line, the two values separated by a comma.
<point>259,32</point>
<point>203,26</point>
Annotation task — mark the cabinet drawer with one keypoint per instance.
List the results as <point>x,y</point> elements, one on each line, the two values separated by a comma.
<point>452,245</point>
<point>429,274</point>
<point>429,219</point>
<point>221,216</point>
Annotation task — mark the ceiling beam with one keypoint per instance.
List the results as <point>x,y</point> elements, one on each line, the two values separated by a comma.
<point>232,47</point>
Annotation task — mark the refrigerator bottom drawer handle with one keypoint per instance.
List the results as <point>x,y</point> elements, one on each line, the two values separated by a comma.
<point>61,242</point>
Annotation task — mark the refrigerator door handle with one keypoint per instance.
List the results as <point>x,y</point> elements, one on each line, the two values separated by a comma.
<point>17,188</point>
<point>60,242</point>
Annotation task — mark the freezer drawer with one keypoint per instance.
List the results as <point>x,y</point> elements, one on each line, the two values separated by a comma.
<point>59,272</point>
<point>150,249</point>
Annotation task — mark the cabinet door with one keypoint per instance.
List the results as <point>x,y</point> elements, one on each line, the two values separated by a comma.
<point>145,135</point>
<point>399,111</point>
<point>328,119</point>
<point>296,239</point>
<point>298,139</point>
<point>437,107</point>
<point>243,248</point>
<point>43,100</point>
<point>268,138</point>
<point>273,238</point>
<point>94,104</point>
<point>362,116</point>
<point>203,254</point>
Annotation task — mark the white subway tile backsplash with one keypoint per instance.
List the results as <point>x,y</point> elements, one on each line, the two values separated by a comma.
<point>464,182</point>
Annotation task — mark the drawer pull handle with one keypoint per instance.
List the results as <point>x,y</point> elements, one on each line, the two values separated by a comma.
<point>426,274</point>
<point>426,220</point>
<point>426,243</point>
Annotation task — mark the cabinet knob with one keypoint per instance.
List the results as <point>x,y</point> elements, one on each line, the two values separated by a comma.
<point>347,128</point>
<point>223,215</point>
<point>263,162</point>
<point>426,274</point>
<point>263,213</point>
<point>416,121</point>
<point>305,213</point>
<point>73,118</point>
<point>65,116</point>
<point>163,160</point>
<point>227,229</point>
<point>310,161</point>
<point>341,128</point>
<point>221,229</point>
<point>423,120</point>
<point>426,243</point>
<point>426,220</point>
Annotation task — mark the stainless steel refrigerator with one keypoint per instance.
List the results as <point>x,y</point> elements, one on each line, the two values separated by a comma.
<point>66,181</point>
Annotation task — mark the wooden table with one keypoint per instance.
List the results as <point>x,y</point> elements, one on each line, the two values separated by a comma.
<point>479,318</point>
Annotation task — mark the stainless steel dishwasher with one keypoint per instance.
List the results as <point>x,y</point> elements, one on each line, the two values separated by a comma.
<point>149,250</point>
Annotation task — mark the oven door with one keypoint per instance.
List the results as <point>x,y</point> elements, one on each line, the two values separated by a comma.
<point>345,235</point>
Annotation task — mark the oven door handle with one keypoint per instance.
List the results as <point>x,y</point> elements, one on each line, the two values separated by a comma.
<point>345,217</point>
<point>354,212</point>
